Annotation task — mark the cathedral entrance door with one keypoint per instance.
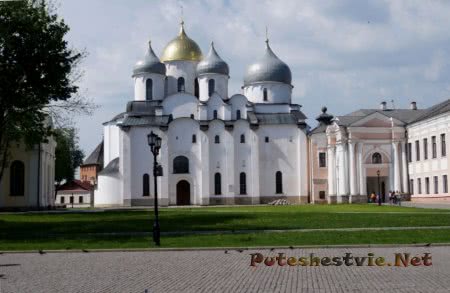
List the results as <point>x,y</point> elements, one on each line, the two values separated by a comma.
<point>183,193</point>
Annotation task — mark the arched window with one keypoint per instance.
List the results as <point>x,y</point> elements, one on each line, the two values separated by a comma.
<point>278,182</point>
<point>192,116</point>
<point>17,179</point>
<point>242,138</point>
<point>180,165</point>
<point>216,139</point>
<point>194,138</point>
<point>217,184</point>
<point>376,158</point>
<point>145,185</point>
<point>238,114</point>
<point>215,114</point>
<point>170,118</point>
<point>211,87</point>
<point>196,88</point>
<point>181,84</point>
<point>242,183</point>
<point>149,89</point>
<point>265,94</point>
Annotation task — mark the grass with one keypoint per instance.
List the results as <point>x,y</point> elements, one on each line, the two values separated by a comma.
<point>70,230</point>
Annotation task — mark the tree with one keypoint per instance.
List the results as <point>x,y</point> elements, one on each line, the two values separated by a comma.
<point>37,73</point>
<point>68,154</point>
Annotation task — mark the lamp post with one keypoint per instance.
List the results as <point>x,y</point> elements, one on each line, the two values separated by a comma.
<point>379,189</point>
<point>154,141</point>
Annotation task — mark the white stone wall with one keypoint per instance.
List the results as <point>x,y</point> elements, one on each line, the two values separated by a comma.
<point>220,88</point>
<point>176,69</point>
<point>277,92</point>
<point>140,88</point>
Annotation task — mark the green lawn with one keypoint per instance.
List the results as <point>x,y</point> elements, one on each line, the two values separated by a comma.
<point>78,230</point>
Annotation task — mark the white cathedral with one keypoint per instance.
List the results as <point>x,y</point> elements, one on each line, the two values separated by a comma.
<point>217,148</point>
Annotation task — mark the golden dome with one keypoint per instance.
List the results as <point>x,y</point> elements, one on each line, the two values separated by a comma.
<point>181,48</point>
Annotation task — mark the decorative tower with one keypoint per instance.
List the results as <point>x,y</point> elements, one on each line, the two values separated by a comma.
<point>149,75</point>
<point>268,80</point>
<point>213,74</point>
<point>181,56</point>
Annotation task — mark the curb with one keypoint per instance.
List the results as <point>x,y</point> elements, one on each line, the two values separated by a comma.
<point>225,248</point>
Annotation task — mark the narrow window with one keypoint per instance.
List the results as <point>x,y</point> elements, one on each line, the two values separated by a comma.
<point>278,182</point>
<point>242,183</point>
<point>376,158</point>
<point>181,84</point>
<point>71,199</point>
<point>215,114</point>
<point>425,149</point>
<point>145,185</point>
<point>411,186</point>
<point>409,153</point>
<point>419,186</point>
<point>433,147</point>
<point>436,184</point>
<point>62,199</point>
<point>149,89</point>
<point>238,114</point>
<point>443,146</point>
<point>217,184</point>
<point>444,184</point>
<point>266,139</point>
<point>427,185</point>
<point>322,160</point>
<point>216,139</point>
<point>194,138</point>
<point>80,199</point>
<point>166,86</point>
<point>211,87</point>
<point>321,194</point>
<point>417,150</point>
<point>196,88</point>
<point>265,95</point>
<point>242,138</point>
<point>17,179</point>
<point>192,116</point>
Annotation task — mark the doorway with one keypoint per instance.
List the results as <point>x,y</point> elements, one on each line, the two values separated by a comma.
<point>183,193</point>
<point>372,186</point>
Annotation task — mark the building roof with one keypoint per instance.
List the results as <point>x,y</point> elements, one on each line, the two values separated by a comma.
<point>435,110</point>
<point>96,157</point>
<point>212,63</point>
<point>181,48</point>
<point>268,68</point>
<point>405,115</point>
<point>111,168</point>
<point>75,185</point>
<point>149,64</point>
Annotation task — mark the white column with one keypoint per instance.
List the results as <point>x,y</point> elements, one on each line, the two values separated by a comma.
<point>397,186</point>
<point>342,180</point>
<point>404,167</point>
<point>362,171</point>
<point>351,151</point>
<point>331,170</point>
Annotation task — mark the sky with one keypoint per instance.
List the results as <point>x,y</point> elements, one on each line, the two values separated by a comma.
<point>343,54</point>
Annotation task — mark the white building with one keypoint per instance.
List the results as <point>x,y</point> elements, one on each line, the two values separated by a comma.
<point>217,148</point>
<point>28,180</point>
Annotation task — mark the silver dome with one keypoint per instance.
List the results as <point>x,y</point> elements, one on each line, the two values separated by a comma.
<point>150,64</point>
<point>268,68</point>
<point>212,63</point>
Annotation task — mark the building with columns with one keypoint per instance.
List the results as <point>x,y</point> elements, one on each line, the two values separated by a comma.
<point>376,151</point>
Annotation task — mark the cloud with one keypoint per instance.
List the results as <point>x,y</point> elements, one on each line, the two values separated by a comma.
<point>343,54</point>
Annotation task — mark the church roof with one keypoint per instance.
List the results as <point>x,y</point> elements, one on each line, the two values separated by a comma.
<point>111,168</point>
<point>268,68</point>
<point>181,48</point>
<point>405,115</point>
<point>150,64</point>
<point>96,157</point>
<point>145,120</point>
<point>212,63</point>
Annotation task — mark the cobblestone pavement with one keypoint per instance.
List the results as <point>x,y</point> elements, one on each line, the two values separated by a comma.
<point>217,271</point>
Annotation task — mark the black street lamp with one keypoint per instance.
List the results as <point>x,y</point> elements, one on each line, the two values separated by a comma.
<point>379,188</point>
<point>154,141</point>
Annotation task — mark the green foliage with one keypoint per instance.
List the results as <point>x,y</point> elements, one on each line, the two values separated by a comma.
<point>68,154</point>
<point>36,69</point>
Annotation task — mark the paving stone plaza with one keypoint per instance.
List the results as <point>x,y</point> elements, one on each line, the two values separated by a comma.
<point>218,271</point>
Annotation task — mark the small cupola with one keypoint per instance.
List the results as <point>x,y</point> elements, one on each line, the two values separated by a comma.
<point>212,63</point>
<point>149,64</point>
<point>324,118</point>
